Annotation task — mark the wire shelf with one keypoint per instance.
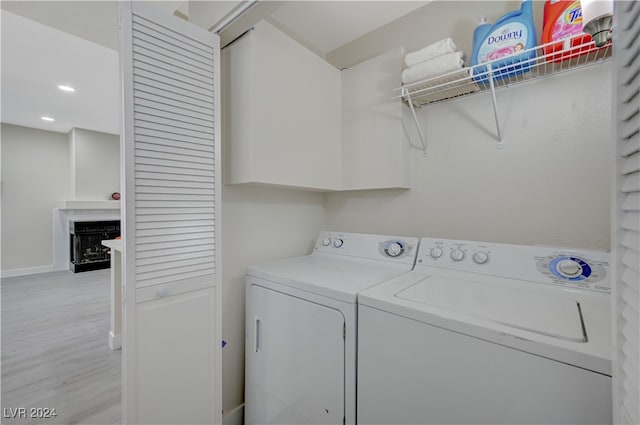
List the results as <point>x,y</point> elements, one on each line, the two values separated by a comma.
<point>527,65</point>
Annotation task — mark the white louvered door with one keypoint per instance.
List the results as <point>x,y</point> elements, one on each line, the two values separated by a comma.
<point>171,187</point>
<point>626,376</point>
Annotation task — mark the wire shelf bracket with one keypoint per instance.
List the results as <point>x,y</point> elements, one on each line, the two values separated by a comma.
<point>407,94</point>
<point>527,65</point>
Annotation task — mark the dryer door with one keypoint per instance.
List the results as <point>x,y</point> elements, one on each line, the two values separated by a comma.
<point>295,360</point>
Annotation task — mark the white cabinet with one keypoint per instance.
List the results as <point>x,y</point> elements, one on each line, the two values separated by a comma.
<point>375,146</point>
<point>282,112</point>
<point>176,355</point>
<point>292,119</point>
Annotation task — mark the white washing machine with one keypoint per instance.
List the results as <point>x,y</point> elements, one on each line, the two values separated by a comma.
<point>301,327</point>
<point>486,333</point>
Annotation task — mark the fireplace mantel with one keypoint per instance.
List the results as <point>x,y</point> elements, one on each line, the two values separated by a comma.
<point>77,211</point>
<point>89,205</point>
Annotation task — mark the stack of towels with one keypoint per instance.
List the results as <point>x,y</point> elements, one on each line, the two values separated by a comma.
<point>431,61</point>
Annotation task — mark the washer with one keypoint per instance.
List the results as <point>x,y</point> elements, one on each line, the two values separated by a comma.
<point>488,333</point>
<point>301,327</point>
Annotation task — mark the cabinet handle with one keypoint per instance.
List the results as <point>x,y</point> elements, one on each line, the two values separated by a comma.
<point>163,292</point>
<point>256,334</point>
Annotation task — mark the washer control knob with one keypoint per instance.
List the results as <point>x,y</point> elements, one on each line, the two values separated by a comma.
<point>326,241</point>
<point>337,243</point>
<point>394,249</point>
<point>457,254</point>
<point>435,252</point>
<point>569,268</point>
<point>480,257</point>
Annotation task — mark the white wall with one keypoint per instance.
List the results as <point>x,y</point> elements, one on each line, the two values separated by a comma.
<point>35,176</point>
<point>550,184</point>
<point>259,224</point>
<point>95,164</point>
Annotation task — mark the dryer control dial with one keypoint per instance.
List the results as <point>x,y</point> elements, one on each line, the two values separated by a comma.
<point>480,257</point>
<point>337,243</point>
<point>394,249</point>
<point>435,252</point>
<point>457,254</point>
<point>326,241</point>
<point>569,268</point>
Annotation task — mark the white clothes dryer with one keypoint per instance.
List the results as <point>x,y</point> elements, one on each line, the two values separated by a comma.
<point>301,326</point>
<point>487,333</point>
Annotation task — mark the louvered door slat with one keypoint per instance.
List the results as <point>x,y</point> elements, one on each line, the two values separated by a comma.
<point>629,259</point>
<point>147,243</point>
<point>631,164</point>
<point>627,218</point>
<point>193,154</point>
<point>158,68</point>
<point>179,110</point>
<point>173,39</point>
<point>173,177</point>
<point>631,221</point>
<point>203,246</point>
<point>630,144</point>
<point>202,231</point>
<point>172,183</point>
<point>170,95</point>
<point>170,130</point>
<point>153,79</point>
<point>157,45</point>
<point>171,100</point>
<point>176,124</point>
<point>172,204</point>
<point>141,53</point>
<point>165,113</point>
<point>181,141</point>
<point>172,155</point>
<point>631,182</point>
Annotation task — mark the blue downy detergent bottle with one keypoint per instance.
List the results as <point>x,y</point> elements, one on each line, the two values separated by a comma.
<point>500,43</point>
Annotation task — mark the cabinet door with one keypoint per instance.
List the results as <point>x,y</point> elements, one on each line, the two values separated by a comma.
<point>294,360</point>
<point>283,112</point>
<point>175,352</point>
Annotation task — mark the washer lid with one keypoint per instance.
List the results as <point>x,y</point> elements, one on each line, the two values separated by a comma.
<point>557,317</point>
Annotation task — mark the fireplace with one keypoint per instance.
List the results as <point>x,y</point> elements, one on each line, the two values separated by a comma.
<point>85,248</point>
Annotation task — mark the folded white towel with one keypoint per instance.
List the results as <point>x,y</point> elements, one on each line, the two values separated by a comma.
<point>431,51</point>
<point>433,67</point>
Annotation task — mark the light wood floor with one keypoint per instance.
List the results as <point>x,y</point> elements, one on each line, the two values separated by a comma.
<point>55,351</point>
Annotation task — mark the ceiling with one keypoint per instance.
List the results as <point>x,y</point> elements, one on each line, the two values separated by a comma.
<point>36,59</point>
<point>327,25</point>
<point>48,43</point>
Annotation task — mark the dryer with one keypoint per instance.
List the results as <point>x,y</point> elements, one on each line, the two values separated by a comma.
<point>301,327</point>
<point>488,333</point>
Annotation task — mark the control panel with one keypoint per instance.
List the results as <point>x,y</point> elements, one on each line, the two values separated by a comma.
<point>378,247</point>
<point>580,269</point>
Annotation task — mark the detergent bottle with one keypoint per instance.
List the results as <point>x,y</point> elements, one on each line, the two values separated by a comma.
<point>563,21</point>
<point>500,43</point>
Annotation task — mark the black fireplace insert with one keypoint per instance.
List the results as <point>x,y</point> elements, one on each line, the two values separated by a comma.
<point>86,249</point>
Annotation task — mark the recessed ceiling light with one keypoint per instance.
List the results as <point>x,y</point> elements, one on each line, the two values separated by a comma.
<point>49,119</point>
<point>67,88</point>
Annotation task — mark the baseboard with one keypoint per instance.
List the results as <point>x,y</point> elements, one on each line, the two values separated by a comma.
<point>26,271</point>
<point>234,417</point>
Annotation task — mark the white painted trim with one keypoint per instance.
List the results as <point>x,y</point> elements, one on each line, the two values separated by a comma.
<point>89,205</point>
<point>115,341</point>
<point>235,417</point>
<point>61,238</point>
<point>27,271</point>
